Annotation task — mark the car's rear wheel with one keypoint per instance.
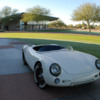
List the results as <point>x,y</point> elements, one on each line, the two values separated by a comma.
<point>24,60</point>
<point>38,76</point>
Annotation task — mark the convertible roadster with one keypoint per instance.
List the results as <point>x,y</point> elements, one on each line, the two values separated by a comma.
<point>58,66</point>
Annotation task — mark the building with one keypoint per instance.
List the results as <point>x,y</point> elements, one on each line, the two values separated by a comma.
<point>14,23</point>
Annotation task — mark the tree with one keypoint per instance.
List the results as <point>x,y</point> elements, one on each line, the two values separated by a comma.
<point>97,27</point>
<point>7,11</point>
<point>36,14</point>
<point>14,11</point>
<point>70,26</point>
<point>78,26</point>
<point>57,24</point>
<point>90,13</point>
<point>60,23</point>
<point>53,25</point>
<point>84,26</point>
<point>8,16</point>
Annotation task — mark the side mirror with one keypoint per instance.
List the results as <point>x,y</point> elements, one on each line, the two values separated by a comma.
<point>70,48</point>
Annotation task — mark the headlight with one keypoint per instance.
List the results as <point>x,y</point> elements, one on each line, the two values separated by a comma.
<point>55,69</point>
<point>97,63</point>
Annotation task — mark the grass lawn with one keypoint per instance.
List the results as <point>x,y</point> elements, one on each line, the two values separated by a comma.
<point>86,32</point>
<point>54,36</point>
<point>88,44</point>
<point>93,49</point>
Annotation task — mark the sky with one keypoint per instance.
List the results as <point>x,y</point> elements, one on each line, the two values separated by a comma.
<point>62,9</point>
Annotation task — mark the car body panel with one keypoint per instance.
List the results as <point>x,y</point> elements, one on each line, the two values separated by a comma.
<point>76,67</point>
<point>70,59</point>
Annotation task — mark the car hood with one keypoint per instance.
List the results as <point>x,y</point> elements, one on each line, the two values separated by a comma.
<point>73,62</point>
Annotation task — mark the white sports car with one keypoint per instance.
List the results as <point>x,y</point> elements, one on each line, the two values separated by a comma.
<point>58,66</point>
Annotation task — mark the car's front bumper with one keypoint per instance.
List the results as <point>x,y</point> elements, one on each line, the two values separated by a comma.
<point>75,80</point>
<point>85,80</point>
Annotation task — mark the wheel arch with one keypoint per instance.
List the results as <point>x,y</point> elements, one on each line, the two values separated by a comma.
<point>37,63</point>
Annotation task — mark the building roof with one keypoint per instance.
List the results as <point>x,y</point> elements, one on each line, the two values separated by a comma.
<point>49,18</point>
<point>16,17</point>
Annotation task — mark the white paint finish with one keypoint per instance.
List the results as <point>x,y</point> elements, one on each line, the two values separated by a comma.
<point>72,62</point>
<point>75,66</point>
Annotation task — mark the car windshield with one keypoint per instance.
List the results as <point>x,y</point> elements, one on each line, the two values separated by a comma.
<point>47,48</point>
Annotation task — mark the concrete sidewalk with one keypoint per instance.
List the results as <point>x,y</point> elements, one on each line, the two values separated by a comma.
<point>11,58</point>
<point>17,83</point>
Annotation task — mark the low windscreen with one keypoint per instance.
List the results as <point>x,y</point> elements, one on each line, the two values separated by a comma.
<point>47,48</point>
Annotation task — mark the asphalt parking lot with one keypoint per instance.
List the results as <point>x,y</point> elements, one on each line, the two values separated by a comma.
<point>16,80</point>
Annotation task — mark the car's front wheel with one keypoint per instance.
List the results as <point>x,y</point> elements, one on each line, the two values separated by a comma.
<point>38,76</point>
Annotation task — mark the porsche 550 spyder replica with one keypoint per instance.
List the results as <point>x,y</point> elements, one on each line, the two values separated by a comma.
<point>58,66</point>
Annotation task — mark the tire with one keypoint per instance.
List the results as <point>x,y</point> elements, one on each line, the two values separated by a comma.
<point>38,77</point>
<point>23,56</point>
